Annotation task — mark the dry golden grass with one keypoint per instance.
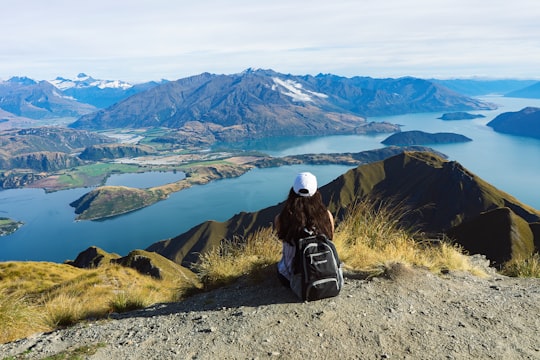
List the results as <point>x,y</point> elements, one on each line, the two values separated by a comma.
<point>519,267</point>
<point>18,317</point>
<point>43,296</point>
<point>369,238</point>
<point>239,257</point>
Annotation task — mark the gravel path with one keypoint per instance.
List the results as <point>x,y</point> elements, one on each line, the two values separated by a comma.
<point>409,314</point>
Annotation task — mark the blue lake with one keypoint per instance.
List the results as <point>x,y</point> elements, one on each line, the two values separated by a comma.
<point>50,232</point>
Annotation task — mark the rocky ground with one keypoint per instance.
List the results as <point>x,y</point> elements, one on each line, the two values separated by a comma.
<point>407,314</point>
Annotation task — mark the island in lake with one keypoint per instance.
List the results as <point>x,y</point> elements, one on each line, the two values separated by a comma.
<point>460,115</point>
<point>416,137</point>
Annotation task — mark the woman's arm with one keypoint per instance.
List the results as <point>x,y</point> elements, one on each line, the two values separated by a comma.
<point>331,217</point>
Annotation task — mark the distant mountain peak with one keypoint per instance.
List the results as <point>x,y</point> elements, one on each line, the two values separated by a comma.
<point>85,81</point>
<point>22,80</point>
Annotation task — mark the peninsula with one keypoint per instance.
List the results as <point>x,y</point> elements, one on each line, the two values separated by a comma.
<point>108,201</point>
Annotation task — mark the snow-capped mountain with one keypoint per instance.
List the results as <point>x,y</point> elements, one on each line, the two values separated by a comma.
<point>99,93</point>
<point>84,81</point>
<point>25,97</point>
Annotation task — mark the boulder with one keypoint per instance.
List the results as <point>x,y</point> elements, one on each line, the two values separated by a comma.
<point>92,257</point>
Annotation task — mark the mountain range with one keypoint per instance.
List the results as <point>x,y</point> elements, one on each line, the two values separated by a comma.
<point>23,97</point>
<point>264,103</point>
<point>438,197</point>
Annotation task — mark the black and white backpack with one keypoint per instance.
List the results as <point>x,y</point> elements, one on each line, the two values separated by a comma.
<point>317,268</point>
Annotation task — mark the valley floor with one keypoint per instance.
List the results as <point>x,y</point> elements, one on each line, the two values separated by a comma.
<point>409,314</point>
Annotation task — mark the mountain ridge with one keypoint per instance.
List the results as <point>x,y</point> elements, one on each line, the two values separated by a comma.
<point>442,194</point>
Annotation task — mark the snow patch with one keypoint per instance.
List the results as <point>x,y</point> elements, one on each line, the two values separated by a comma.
<point>295,90</point>
<point>62,96</point>
<point>85,81</point>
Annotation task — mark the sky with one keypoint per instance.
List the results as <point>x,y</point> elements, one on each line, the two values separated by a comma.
<point>143,40</point>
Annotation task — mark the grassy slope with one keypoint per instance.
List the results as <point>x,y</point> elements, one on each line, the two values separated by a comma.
<point>40,296</point>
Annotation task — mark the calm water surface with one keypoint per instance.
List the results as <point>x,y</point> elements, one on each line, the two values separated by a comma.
<point>50,232</point>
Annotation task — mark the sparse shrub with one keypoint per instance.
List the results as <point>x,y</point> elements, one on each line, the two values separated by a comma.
<point>64,309</point>
<point>523,267</point>
<point>124,302</point>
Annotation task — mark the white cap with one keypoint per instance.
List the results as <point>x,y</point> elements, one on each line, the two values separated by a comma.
<point>305,184</point>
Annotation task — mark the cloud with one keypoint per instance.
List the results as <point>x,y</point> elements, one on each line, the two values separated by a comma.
<point>142,40</point>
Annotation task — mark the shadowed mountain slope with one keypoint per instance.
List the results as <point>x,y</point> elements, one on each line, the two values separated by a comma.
<point>437,194</point>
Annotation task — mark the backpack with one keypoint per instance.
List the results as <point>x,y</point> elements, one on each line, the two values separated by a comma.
<point>317,269</point>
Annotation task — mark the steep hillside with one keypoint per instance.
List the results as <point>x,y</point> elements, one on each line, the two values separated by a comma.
<point>259,103</point>
<point>115,151</point>
<point>40,161</point>
<point>15,142</point>
<point>438,194</point>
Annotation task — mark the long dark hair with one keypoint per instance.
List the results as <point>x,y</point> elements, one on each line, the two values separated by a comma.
<point>302,212</point>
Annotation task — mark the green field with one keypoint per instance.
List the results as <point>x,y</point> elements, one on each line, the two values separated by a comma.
<point>8,226</point>
<point>94,174</point>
